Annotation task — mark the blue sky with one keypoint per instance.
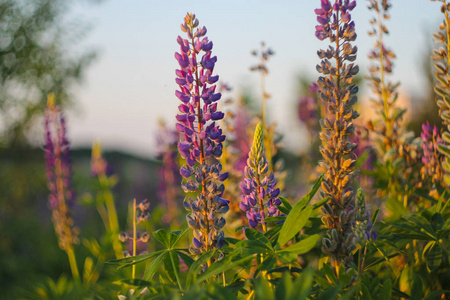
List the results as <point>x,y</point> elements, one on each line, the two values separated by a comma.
<point>132,83</point>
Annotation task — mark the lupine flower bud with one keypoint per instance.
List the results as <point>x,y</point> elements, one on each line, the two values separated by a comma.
<point>259,193</point>
<point>336,88</point>
<point>59,172</point>
<point>203,138</point>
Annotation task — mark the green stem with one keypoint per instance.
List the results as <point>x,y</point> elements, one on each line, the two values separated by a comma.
<point>133,274</point>
<point>73,263</point>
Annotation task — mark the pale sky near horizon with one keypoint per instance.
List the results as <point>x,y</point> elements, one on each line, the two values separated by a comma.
<point>132,83</point>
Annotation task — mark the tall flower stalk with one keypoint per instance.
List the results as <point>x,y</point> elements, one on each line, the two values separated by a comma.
<point>169,173</point>
<point>431,158</point>
<point>203,138</point>
<point>387,127</point>
<point>59,172</point>
<point>441,60</point>
<point>336,88</point>
<point>106,207</point>
<point>141,213</point>
<point>259,191</point>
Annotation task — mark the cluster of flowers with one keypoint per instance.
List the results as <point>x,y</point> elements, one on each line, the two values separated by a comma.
<point>387,127</point>
<point>431,158</point>
<point>59,172</point>
<point>308,110</point>
<point>363,226</point>
<point>441,64</point>
<point>336,88</point>
<point>260,195</point>
<point>141,213</point>
<point>202,144</point>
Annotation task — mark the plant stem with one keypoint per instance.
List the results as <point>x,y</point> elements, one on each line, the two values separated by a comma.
<point>112,214</point>
<point>133,274</point>
<point>73,263</point>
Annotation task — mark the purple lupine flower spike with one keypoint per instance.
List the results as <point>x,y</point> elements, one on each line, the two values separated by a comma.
<point>59,172</point>
<point>259,192</point>
<point>202,137</point>
<point>338,91</point>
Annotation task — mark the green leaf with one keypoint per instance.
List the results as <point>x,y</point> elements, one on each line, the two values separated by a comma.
<point>330,293</point>
<point>303,284</point>
<point>436,295</point>
<point>295,221</point>
<point>416,289</point>
<point>321,203</point>
<point>257,246</point>
<point>175,237</point>
<point>169,239</point>
<point>129,261</point>
<point>285,203</point>
<point>225,264</point>
<point>186,258</point>
<point>161,235</point>
<point>134,282</point>
<point>433,256</point>
<point>437,221</point>
<point>269,262</point>
<point>386,290</point>
<point>153,266</point>
<point>303,246</point>
<point>172,267</point>
<point>262,289</point>
<point>274,219</point>
<point>254,235</point>
<point>196,265</point>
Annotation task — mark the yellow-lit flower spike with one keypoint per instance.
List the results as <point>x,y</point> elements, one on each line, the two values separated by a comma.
<point>51,101</point>
<point>258,143</point>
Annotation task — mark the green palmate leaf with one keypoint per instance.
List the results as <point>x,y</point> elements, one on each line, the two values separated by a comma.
<point>197,265</point>
<point>129,261</point>
<point>153,266</point>
<point>169,239</point>
<point>422,223</point>
<point>432,253</point>
<point>224,265</point>
<point>295,221</point>
<point>303,246</point>
<point>256,246</point>
<point>255,235</point>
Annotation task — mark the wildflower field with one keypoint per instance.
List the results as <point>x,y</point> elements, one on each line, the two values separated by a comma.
<point>362,214</point>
